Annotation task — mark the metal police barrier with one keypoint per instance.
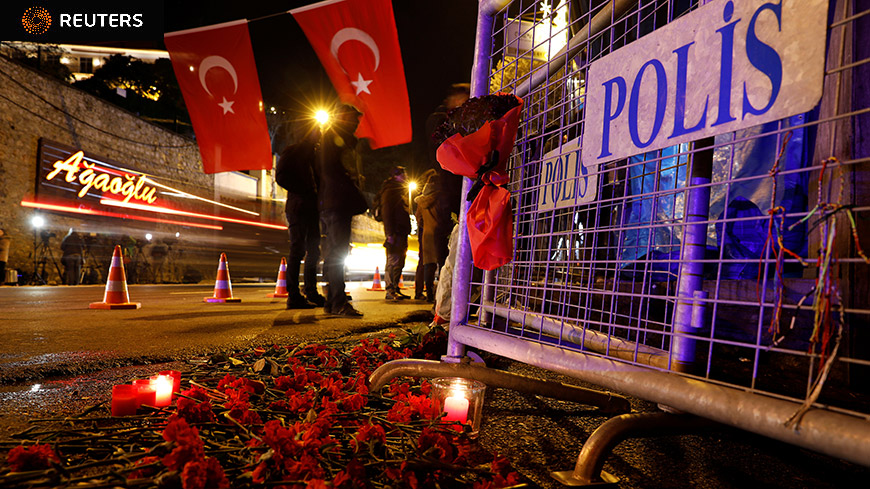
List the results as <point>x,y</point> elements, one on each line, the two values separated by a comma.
<point>690,192</point>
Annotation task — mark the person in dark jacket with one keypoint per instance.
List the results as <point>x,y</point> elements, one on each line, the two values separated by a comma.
<point>448,187</point>
<point>295,173</point>
<point>337,171</point>
<point>72,247</point>
<point>393,199</point>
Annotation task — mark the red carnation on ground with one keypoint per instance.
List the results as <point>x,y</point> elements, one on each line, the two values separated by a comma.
<point>195,412</point>
<point>186,442</point>
<point>196,393</point>
<point>368,434</point>
<point>147,471</point>
<point>204,473</point>
<point>400,413</point>
<point>435,445</point>
<point>354,402</point>
<point>34,457</point>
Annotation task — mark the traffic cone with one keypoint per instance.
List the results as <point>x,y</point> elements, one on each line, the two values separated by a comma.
<point>376,283</point>
<point>116,296</point>
<point>281,286</point>
<point>223,289</point>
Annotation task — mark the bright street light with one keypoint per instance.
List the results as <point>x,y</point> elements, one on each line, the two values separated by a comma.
<point>37,222</point>
<point>412,186</point>
<point>321,116</point>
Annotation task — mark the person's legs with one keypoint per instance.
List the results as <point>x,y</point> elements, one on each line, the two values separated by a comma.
<point>337,230</point>
<point>418,274</point>
<point>294,259</point>
<point>312,258</point>
<point>398,247</point>
<point>392,270</point>
<point>76,270</point>
<point>429,278</point>
<point>66,261</point>
<point>297,250</point>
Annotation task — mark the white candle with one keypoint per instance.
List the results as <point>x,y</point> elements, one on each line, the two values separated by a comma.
<point>456,409</point>
<point>163,385</point>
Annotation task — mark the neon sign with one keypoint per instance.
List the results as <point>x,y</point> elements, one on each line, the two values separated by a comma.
<point>129,186</point>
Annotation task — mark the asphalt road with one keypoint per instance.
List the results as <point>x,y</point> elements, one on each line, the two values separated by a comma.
<point>58,357</point>
<point>49,331</point>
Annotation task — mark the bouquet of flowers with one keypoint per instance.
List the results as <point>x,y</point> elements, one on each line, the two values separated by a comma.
<point>476,141</point>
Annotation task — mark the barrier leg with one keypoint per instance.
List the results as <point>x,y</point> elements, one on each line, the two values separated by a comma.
<point>588,471</point>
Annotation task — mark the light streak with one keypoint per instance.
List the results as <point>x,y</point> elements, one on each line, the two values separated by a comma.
<point>167,210</point>
<point>94,212</point>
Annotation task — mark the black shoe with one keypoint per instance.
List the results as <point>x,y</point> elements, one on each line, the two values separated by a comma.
<point>299,303</point>
<point>316,299</point>
<point>419,297</point>
<point>347,310</point>
<point>327,308</point>
<point>400,295</point>
<point>395,296</point>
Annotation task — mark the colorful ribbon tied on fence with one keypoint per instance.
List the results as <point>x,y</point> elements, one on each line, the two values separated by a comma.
<point>482,155</point>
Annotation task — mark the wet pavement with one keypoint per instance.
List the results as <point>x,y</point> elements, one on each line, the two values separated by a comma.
<point>49,331</point>
<point>537,434</point>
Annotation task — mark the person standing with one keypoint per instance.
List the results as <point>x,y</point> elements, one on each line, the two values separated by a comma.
<point>295,173</point>
<point>337,171</point>
<point>419,280</point>
<point>393,199</point>
<point>72,247</point>
<point>430,257</point>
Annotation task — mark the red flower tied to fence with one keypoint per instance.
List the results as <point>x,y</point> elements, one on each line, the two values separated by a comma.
<point>481,137</point>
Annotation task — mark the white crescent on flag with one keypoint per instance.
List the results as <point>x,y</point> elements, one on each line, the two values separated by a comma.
<point>210,62</point>
<point>354,34</point>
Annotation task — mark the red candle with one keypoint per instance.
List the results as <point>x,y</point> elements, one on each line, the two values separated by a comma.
<point>147,392</point>
<point>456,409</point>
<point>124,399</point>
<point>176,379</point>
<point>163,387</point>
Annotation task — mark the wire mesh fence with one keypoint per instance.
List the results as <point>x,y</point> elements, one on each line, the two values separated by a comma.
<point>734,258</point>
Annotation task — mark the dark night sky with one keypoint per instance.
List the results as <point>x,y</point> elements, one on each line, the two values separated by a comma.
<point>436,37</point>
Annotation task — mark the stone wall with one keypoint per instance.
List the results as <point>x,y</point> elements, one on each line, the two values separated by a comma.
<point>33,106</point>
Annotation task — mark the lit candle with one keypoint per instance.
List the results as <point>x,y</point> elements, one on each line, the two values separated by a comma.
<point>124,399</point>
<point>163,385</point>
<point>456,408</point>
<point>176,379</point>
<point>147,392</point>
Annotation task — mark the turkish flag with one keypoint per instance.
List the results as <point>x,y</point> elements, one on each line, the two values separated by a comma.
<point>357,43</point>
<point>218,79</point>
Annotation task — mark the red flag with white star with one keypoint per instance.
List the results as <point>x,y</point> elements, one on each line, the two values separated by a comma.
<point>215,69</point>
<point>357,43</point>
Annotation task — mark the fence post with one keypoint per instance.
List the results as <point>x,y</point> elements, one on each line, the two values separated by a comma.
<point>462,268</point>
<point>694,246</point>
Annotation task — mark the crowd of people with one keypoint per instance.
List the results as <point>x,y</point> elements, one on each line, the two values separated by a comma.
<point>321,171</point>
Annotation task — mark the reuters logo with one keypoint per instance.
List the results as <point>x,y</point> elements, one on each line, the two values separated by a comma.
<point>36,20</point>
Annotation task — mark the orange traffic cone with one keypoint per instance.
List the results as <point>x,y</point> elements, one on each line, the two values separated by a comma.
<point>223,289</point>
<point>116,296</point>
<point>281,286</point>
<point>376,283</point>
